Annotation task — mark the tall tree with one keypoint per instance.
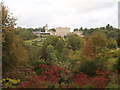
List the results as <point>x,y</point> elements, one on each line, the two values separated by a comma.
<point>8,21</point>
<point>96,45</point>
<point>13,51</point>
<point>81,29</point>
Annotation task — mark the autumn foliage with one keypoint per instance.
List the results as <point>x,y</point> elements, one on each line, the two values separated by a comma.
<point>52,77</point>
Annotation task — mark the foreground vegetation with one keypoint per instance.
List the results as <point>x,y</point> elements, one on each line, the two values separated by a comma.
<point>56,62</point>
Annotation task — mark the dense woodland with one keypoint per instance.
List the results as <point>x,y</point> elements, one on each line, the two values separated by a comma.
<point>29,61</point>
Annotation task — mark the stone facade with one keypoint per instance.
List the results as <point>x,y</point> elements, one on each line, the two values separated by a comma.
<point>62,31</point>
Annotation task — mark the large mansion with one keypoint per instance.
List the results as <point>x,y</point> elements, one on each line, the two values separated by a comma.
<point>60,31</point>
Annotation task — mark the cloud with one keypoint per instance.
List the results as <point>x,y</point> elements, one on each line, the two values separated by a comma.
<point>70,13</point>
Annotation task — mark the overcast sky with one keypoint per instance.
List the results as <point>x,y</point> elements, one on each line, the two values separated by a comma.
<point>64,13</point>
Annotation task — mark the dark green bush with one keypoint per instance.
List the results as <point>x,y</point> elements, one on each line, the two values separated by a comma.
<point>89,67</point>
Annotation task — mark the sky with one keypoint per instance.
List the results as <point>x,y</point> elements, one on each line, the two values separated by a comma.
<point>64,13</point>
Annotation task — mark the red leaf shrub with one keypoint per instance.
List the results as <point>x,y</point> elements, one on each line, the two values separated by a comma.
<point>100,80</point>
<point>50,73</point>
<point>52,77</point>
<point>47,75</point>
<point>81,80</point>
